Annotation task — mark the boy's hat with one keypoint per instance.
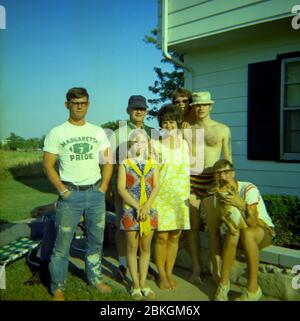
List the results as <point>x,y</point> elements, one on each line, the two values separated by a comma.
<point>137,101</point>
<point>201,98</point>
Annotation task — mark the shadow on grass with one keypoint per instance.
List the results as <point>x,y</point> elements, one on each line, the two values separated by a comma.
<point>32,175</point>
<point>34,169</point>
<point>39,183</point>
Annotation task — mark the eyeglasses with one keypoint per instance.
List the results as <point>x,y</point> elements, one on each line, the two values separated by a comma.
<point>181,101</point>
<point>79,103</point>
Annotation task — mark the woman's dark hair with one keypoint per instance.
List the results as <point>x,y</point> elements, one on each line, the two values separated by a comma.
<point>170,112</point>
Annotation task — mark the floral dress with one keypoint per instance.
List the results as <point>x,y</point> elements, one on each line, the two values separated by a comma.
<point>129,220</point>
<point>172,202</point>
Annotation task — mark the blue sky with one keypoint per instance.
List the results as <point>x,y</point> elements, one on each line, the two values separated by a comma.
<point>51,46</point>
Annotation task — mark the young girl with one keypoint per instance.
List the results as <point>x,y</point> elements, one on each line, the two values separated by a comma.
<point>172,202</point>
<point>138,184</point>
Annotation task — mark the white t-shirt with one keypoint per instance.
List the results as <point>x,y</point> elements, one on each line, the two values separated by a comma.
<point>250,193</point>
<point>78,150</point>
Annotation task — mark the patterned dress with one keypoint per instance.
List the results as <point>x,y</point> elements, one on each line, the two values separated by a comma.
<point>172,202</point>
<point>129,220</point>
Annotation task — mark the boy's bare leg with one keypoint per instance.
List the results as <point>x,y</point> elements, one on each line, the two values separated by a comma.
<point>121,243</point>
<point>228,256</point>
<point>194,238</point>
<point>120,239</point>
<point>253,238</point>
<point>212,215</point>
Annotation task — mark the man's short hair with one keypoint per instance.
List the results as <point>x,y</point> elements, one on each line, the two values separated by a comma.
<point>181,92</point>
<point>170,112</point>
<point>222,163</point>
<point>76,92</point>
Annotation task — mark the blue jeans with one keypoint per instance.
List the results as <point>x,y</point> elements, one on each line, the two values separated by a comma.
<point>90,203</point>
<point>49,236</point>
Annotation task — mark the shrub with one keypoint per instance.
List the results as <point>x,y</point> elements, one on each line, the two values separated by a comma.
<point>285,213</point>
<point>20,164</point>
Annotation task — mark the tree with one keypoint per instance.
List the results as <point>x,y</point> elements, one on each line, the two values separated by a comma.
<point>41,141</point>
<point>32,144</point>
<point>15,142</point>
<point>113,125</point>
<point>167,81</point>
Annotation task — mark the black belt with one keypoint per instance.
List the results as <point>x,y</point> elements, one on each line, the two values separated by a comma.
<point>71,186</point>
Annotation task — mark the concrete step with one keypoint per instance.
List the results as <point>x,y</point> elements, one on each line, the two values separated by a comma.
<point>185,290</point>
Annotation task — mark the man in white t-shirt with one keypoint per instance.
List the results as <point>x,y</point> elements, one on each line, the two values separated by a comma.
<point>256,234</point>
<point>78,147</point>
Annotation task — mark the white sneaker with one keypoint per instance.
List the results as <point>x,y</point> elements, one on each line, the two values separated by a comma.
<point>148,293</point>
<point>136,294</point>
<point>250,296</point>
<point>222,292</point>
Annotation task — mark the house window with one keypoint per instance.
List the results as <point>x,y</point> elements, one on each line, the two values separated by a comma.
<point>290,109</point>
<point>274,109</point>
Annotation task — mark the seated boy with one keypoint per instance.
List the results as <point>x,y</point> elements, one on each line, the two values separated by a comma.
<point>257,235</point>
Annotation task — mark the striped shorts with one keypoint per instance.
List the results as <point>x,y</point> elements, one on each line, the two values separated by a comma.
<point>201,183</point>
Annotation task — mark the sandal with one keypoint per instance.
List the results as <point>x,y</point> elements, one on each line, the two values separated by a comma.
<point>136,294</point>
<point>148,293</point>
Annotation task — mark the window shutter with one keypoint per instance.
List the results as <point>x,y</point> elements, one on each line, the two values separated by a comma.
<point>264,110</point>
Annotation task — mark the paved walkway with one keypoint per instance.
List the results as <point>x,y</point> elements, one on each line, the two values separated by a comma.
<point>185,291</point>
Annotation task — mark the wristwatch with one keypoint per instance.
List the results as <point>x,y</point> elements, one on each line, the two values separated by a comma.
<point>63,192</point>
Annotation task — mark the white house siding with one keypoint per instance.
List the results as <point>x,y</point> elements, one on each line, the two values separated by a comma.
<point>191,19</point>
<point>223,70</point>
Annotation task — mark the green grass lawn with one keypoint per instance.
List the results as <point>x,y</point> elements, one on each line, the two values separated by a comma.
<point>19,197</point>
<point>25,164</point>
<point>76,290</point>
<point>23,187</point>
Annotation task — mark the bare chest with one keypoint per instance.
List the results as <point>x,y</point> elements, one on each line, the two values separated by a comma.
<point>212,137</point>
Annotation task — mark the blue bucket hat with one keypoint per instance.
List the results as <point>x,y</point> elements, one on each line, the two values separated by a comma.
<point>137,101</point>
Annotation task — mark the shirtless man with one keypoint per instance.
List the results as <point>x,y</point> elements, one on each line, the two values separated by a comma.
<point>216,141</point>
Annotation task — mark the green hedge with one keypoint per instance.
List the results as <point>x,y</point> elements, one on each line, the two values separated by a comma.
<point>285,213</point>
